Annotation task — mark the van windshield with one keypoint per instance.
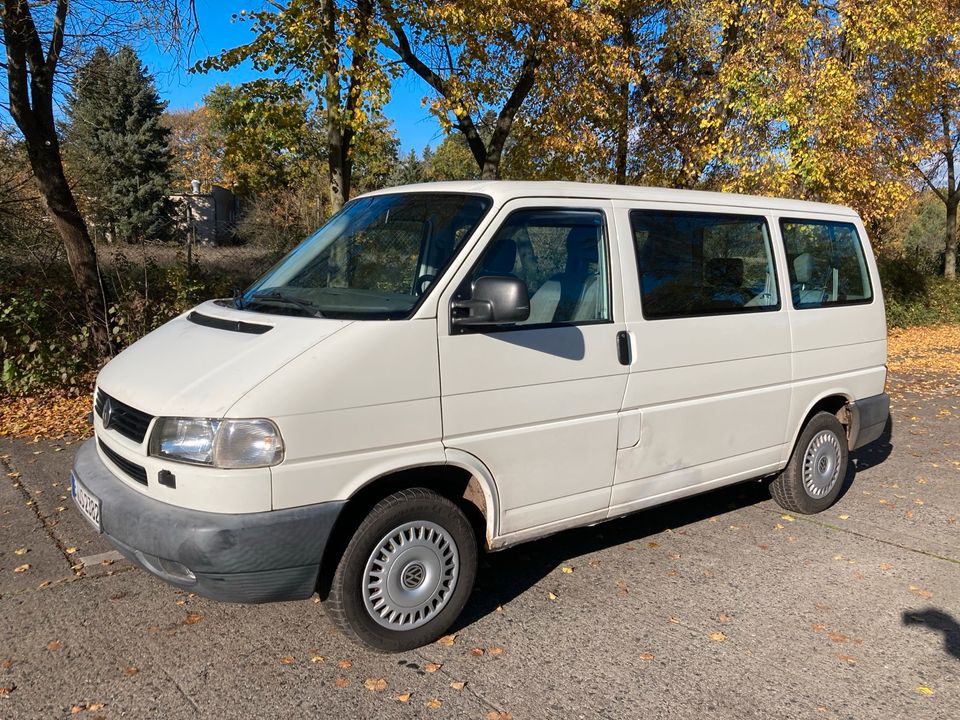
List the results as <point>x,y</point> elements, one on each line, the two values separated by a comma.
<point>375,259</point>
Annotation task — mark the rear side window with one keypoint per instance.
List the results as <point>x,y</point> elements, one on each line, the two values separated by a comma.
<point>826,263</point>
<point>694,264</point>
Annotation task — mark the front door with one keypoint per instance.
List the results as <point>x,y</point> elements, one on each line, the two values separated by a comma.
<point>537,402</point>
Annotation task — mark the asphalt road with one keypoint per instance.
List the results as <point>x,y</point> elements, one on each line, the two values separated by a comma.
<point>717,607</point>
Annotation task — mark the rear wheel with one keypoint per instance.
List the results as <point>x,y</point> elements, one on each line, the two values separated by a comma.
<point>406,573</point>
<point>813,479</point>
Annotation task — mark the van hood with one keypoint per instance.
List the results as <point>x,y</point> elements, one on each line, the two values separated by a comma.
<point>201,363</point>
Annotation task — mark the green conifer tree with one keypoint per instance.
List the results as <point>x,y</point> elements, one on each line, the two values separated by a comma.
<point>117,149</point>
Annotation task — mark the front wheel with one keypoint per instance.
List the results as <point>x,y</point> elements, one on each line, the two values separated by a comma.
<point>813,479</point>
<point>406,573</point>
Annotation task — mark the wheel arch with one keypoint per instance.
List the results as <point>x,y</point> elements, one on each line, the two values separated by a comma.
<point>834,401</point>
<point>463,479</point>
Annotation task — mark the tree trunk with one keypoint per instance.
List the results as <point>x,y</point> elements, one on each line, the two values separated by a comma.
<point>30,83</point>
<point>950,245</point>
<point>623,92</point>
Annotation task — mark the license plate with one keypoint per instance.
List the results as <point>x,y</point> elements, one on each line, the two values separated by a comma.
<point>88,503</point>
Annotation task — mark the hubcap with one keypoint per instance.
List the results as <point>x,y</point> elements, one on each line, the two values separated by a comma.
<point>821,464</point>
<point>410,575</point>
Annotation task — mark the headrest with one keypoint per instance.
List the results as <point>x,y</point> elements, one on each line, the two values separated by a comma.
<point>803,267</point>
<point>725,272</point>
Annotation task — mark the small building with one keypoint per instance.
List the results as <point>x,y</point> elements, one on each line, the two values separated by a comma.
<point>211,216</point>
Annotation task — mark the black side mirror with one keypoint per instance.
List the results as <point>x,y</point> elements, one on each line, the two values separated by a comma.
<point>494,300</point>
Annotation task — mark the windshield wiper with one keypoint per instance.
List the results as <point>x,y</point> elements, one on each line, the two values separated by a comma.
<point>277,296</point>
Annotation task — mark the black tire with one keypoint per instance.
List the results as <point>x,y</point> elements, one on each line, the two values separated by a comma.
<point>813,478</point>
<point>420,534</point>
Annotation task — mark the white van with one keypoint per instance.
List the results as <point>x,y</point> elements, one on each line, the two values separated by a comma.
<point>452,367</point>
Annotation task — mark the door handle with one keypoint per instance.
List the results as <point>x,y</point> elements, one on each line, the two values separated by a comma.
<point>623,347</point>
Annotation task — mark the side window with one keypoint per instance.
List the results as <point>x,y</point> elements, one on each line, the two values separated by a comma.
<point>693,264</point>
<point>561,256</point>
<point>826,263</point>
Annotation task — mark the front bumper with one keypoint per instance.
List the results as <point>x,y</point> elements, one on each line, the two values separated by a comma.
<point>868,418</point>
<point>250,557</point>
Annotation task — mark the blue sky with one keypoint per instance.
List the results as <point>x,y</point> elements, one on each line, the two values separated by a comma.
<point>415,127</point>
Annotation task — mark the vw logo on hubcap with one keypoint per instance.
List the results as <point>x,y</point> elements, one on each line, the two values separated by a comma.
<point>412,575</point>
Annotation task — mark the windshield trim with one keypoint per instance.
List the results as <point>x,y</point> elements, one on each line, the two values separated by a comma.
<point>441,273</point>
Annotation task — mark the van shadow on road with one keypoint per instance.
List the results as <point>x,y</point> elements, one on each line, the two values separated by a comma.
<point>505,575</point>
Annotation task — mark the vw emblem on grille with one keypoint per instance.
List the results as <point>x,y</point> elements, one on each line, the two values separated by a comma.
<point>107,414</point>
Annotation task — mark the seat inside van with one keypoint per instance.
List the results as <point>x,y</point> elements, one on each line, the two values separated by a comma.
<point>573,295</point>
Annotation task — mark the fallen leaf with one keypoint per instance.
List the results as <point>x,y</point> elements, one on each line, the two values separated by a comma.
<point>924,690</point>
<point>344,664</point>
<point>817,627</point>
<point>921,592</point>
<point>566,570</point>
<point>652,545</point>
<point>647,656</point>
<point>778,526</point>
<point>316,658</point>
<point>131,671</point>
<point>434,703</point>
<point>22,568</point>
<point>476,652</point>
<point>44,584</point>
<point>71,550</point>
<point>21,551</point>
<point>622,587</point>
<point>673,620</point>
<point>788,518</point>
<point>718,637</point>
<point>551,596</point>
<point>287,660</point>
<point>837,637</point>
<point>843,517</point>
<point>54,645</point>
<point>93,707</point>
<point>341,682</point>
<point>6,664</point>
<point>849,659</point>
<point>723,617</point>
<point>675,556</point>
<point>497,715</point>
<point>180,601</point>
<point>447,640</point>
<point>495,651</point>
<point>458,685</point>
<point>5,690</point>
<point>403,697</point>
<point>74,709</point>
<point>886,566</point>
<point>433,667</point>
<point>192,618</point>
<point>375,684</point>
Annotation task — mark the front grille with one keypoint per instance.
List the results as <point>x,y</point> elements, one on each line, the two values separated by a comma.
<point>136,472</point>
<point>128,421</point>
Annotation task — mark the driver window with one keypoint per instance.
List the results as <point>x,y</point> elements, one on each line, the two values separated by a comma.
<point>560,255</point>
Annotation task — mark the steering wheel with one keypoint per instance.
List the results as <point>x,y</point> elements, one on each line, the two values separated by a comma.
<point>418,287</point>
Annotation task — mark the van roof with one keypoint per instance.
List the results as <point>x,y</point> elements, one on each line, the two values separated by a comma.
<point>502,190</point>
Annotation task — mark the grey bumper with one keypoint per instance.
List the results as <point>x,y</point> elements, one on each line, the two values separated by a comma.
<point>868,418</point>
<point>254,557</point>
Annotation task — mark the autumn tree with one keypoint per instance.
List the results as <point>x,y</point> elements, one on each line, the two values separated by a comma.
<point>196,147</point>
<point>330,47</point>
<point>481,56</point>
<point>907,56</point>
<point>38,38</point>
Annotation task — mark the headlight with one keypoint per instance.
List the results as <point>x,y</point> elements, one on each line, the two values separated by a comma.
<point>218,443</point>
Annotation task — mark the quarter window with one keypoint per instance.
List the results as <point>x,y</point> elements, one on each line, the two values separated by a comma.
<point>694,264</point>
<point>826,263</point>
<point>560,255</point>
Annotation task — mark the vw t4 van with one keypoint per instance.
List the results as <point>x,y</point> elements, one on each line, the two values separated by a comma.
<point>449,368</point>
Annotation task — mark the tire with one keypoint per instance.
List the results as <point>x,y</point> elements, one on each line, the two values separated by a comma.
<point>420,552</point>
<point>814,477</point>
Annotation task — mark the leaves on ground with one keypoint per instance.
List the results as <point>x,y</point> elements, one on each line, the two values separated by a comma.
<point>718,637</point>
<point>647,656</point>
<point>404,697</point>
<point>447,640</point>
<point>432,667</point>
<point>287,660</point>
<point>924,690</point>
<point>434,703</point>
<point>192,618</point>
<point>458,684</point>
<point>51,416</point>
<point>375,684</point>
<point>54,645</point>
<point>341,682</point>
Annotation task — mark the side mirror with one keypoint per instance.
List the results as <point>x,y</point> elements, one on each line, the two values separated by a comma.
<point>494,300</point>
